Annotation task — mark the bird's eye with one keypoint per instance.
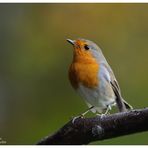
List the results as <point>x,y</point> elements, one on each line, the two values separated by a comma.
<point>86,47</point>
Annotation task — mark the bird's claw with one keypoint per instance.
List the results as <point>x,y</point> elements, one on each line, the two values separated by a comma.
<point>80,116</point>
<point>101,115</point>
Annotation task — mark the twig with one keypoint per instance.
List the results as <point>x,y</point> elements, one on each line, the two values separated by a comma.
<point>86,130</point>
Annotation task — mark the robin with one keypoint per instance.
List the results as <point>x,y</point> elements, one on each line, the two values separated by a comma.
<point>93,79</point>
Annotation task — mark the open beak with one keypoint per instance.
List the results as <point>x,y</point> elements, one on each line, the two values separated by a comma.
<point>70,41</point>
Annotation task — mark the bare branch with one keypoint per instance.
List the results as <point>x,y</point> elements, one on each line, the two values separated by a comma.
<point>86,130</point>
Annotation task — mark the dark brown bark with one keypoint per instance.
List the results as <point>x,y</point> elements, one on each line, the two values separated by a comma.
<point>86,130</point>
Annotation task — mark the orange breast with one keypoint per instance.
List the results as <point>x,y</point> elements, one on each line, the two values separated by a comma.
<point>84,71</point>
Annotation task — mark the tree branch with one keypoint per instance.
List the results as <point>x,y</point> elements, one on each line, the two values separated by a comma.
<point>86,130</point>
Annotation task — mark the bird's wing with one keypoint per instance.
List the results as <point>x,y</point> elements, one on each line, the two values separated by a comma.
<point>115,86</point>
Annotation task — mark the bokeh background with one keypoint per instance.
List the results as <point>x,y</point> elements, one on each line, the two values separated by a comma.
<point>36,97</point>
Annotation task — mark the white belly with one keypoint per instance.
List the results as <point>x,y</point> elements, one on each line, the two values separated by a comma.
<point>100,97</point>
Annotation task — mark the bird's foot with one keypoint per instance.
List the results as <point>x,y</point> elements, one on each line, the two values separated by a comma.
<point>74,118</point>
<point>102,115</point>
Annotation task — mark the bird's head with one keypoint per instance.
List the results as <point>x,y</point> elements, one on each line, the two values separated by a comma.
<point>85,48</point>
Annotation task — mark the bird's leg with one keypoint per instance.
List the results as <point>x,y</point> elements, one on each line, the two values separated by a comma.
<point>82,114</point>
<point>106,111</point>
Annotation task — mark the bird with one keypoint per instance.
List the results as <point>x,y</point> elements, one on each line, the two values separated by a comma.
<point>93,79</point>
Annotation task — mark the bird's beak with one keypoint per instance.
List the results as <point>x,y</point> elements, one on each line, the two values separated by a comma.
<point>70,41</point>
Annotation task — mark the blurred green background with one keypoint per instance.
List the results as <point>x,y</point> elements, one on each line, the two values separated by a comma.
<point>36,97</point>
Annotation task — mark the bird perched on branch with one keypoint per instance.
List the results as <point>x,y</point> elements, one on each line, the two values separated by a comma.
<point>92,77</point>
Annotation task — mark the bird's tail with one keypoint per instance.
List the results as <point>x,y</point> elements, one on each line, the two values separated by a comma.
<point>122,105</point>
<point>128,106</point>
